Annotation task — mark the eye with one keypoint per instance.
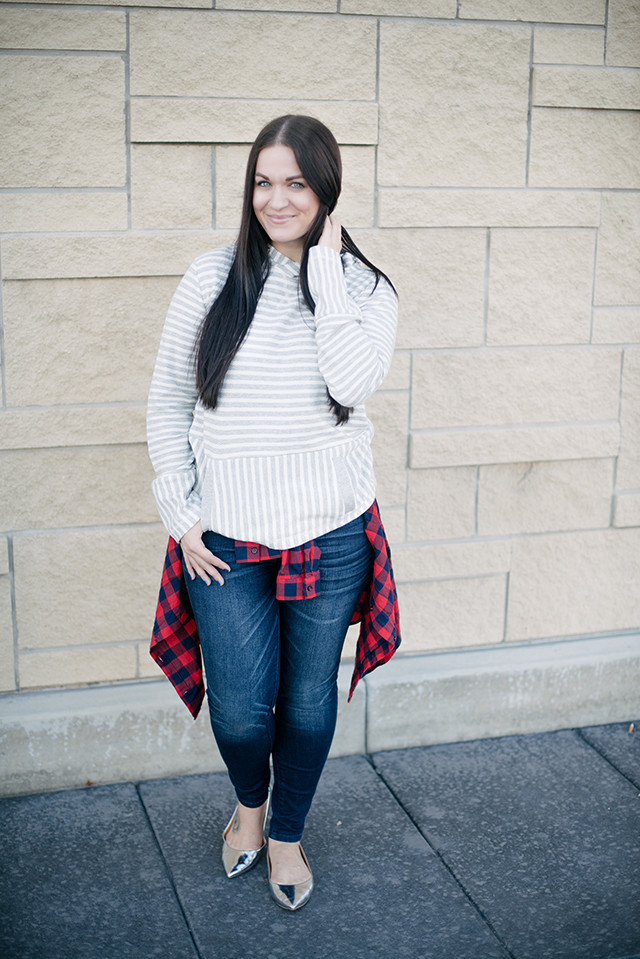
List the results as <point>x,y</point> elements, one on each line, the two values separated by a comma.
<point>297,185</point>
<point>262,183</point>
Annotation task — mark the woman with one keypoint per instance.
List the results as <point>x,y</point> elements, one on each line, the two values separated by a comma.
<point>261,446</point>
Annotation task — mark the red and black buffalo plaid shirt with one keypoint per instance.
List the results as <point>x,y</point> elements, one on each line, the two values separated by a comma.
<point>175,645</point>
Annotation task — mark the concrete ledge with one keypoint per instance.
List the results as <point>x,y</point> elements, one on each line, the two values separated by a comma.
<point>63,738</point>
<point>504,690</point>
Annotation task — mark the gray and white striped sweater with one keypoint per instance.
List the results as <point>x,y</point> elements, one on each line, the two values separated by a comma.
<point>270,464</point>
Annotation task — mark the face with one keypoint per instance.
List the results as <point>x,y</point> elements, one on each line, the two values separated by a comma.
<point>283,203</point>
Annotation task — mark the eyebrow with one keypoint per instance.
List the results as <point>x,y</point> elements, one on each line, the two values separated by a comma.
<point>288,179</point>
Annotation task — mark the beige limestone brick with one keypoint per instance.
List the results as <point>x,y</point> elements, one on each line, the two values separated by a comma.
<point>462,447</point>
<point>574,11</point>
<point>355,207</point>
<point>94,485</point>
<point>540,287</point>
<point>170,186</point>
<point>628,471</point>
<point>38,428</point>
<point>461,560</point>
<point>426,266</point>
<point>499,387</point>
<point>70,667</point>
<point>111,597</point>
<point>623,33</point>
<point>604,89</point>
<point>147,667</point>
<point>83,341</point>
<point>394,521</point>
<point>441,503</point>
<point>399,376</point>
<point>487,208</point>
<point>453,104</point>
<point>593,149</point>
<point>452,613</point>
<point>389,413</point>
<point>230,165</point>
<point>616,325</point>
<point>139,3</point>
<point>130,255</point>
<point>185,54</point>
<point>7,665</point>
<point>542,497</point>
<point>49,137</point>
<point>618,263</point>
<point>569,584</point>
<point>442,9</point>
<point>568,45</point>
<point>627,510</point>
<point>62,212</point>
<point>4,556</point>
<point>63,30</point>
<point>220,120</point>
<point>295,6</point>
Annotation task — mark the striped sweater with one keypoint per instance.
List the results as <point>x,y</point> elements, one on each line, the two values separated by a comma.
<point>270,464</point>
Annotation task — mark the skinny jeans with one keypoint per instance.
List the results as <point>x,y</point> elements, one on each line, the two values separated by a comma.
<point>271,669</point>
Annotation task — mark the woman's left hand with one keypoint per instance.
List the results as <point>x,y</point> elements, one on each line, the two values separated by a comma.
<point>331,234</point>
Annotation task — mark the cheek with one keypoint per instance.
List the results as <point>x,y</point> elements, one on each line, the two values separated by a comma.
<point>258,201</point>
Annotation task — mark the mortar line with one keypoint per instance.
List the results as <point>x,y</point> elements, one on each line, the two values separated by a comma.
<point>505,628</point>
<point>441,858</point>
<point>377,143</point>
<point>485,287</point>
<point>168,872</point>
<point>407,471</point>
<point>14,613</point>
<point>604,756</point>
<point>529,112</point>
<point>476,502</point>
<point>596,230</point>
<point>3,366</point>
<point>614,479</point>
<point>606,32</point>
<point>127,116</point>
<point>214,210</point>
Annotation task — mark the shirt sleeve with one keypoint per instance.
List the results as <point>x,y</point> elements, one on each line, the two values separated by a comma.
<point>172,399</point>
<point>355,330</point>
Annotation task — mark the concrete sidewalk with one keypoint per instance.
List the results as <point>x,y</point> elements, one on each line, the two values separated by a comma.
<point>524,847</point>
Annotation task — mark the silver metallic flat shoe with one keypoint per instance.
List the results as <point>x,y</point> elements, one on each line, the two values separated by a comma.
<point>291,896</point>
<point>237,861</point>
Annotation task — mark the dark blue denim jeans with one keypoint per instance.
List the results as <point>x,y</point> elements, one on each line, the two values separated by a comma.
<point>271,668</point>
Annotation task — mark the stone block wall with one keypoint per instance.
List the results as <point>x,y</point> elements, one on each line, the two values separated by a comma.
<point>492,168</point>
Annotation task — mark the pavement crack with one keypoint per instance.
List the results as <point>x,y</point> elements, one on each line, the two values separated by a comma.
<point>597,749</point>
<point>478,909</point>
<point>168,872</point>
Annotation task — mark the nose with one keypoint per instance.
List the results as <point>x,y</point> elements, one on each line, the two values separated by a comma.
<point>279,199</point>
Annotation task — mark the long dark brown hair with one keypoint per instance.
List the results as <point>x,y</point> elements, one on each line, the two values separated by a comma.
<point>229,318</point>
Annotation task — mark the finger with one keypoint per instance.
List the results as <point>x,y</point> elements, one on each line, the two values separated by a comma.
<point>207,571</point>
<point>207,558</point>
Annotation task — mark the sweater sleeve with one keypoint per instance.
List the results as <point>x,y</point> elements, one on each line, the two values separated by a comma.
<point>355,332</point>
<point>172,399</point>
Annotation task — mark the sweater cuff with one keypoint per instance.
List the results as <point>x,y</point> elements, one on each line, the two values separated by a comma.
<point>327,283</point>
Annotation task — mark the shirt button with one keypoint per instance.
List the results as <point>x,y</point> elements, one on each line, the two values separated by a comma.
<point>254,549</point>
<point>309,588</point>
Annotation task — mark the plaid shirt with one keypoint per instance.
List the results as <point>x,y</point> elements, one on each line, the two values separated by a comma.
<point>175,646</point>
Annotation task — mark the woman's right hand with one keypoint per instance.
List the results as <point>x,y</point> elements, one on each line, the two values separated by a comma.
<point>199,560</point>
